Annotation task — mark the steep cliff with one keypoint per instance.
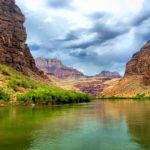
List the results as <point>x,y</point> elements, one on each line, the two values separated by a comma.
<point>13,49</point>
<point>140,64</point>
<point>140,61</point>
<point>137,76</point>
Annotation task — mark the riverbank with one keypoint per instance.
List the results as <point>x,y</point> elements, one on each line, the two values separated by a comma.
<point>18,88</point>
<point>137,97</point>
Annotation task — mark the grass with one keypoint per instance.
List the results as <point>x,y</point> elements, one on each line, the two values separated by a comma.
<point>47,95</point>
<point>16,80</point>
<point>16,84</point>
<point>17,87</point>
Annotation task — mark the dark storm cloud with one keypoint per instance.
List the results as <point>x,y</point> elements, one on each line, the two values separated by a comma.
<point>146,37</point>
<point>141,24</point>
<point>141,18</point>
<point>84,45</point>
<point>72,35</point>
<point>85,56</point>
<point>106,32</point>
<point>103,33</point>
<point>97,59</point>
<point>143,15</point>
<point>97,15</point>
<point>34,47</point>
<point>59,4</point>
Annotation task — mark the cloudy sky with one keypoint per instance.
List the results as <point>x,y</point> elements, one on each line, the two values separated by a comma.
<point>90,35</point>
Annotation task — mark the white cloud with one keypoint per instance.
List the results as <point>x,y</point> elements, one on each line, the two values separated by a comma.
<point>112,34</point>
<point>115,7</point>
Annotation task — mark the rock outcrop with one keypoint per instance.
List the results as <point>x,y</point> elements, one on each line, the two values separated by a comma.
<point>56,68</point>
<point>140,64</point>
<point>140,61</point>
<point>13,50</point>
<point>146,77</point>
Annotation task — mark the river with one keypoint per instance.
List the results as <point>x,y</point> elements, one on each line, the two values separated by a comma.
<point>99,125</point>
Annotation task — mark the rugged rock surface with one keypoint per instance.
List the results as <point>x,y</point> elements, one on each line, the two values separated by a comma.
<point>109,74</point>
<point>13,50</point>
<point>56,68</point>
<point>146,77</point>
<point>140,64</point>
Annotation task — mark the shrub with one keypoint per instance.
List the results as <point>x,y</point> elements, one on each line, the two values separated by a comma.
<point>140,96</point>
<point>4,96</point>
<point>13,85</point>
<point>52,95</point>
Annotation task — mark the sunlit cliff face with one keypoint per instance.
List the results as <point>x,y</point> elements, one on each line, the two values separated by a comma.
<point>90,35</point>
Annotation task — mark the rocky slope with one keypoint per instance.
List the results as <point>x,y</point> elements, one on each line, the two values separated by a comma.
<point>55,67</point>
<point>93,86</point>
<point>13,49</point>
<point>137,76</point>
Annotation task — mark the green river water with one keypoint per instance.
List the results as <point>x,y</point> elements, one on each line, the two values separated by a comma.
<point>99,125</point>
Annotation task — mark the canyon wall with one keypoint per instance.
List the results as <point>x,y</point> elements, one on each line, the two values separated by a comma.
<point>13,49</point>
<point>140,64</point>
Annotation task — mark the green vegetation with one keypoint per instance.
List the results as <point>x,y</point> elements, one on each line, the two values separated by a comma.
<point>45,95</point>
<point>4,96</point>
<point>16,86</point>
<point>142,96</point>
<point>138,96</point>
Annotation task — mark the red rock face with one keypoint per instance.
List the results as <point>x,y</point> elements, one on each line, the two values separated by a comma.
<point>146,77</point>
<point>93,87</point>
<point>55,67</point>
<point>13,50</point>
<point>140,64</point>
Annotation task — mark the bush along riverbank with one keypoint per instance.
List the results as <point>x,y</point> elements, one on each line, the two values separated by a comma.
<point>45,95</point>
<point>18,88</point>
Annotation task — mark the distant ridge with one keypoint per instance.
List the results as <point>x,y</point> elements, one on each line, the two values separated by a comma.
<point>55,67</point>
<point>109,74</point>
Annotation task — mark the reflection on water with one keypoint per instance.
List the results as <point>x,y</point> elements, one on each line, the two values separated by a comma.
<point>100,125</point>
